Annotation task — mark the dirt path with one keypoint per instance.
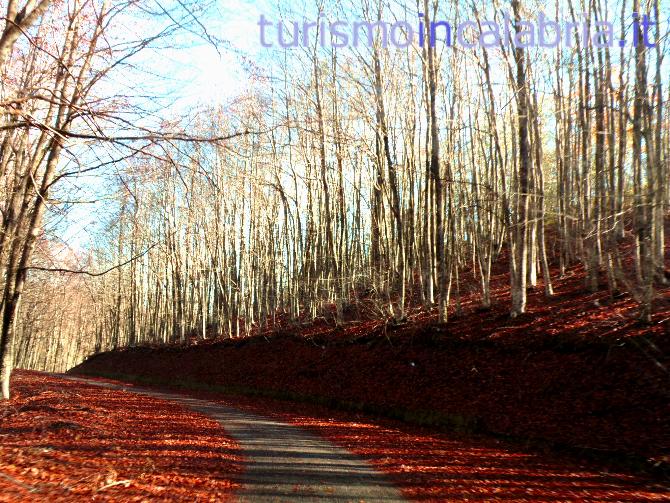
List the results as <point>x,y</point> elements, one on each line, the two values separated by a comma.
<point>283,462</point>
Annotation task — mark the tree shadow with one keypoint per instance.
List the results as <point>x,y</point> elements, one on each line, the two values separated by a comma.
<point>124,446</point>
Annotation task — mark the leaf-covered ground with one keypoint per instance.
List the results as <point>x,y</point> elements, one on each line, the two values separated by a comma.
<point>431,466</point>
<point>66,441</point>
<point>577,370</point>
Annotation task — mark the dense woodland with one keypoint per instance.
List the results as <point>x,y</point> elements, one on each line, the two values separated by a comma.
<point>334,175</point>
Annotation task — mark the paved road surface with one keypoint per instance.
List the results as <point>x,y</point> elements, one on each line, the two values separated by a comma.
<point>284,462</point>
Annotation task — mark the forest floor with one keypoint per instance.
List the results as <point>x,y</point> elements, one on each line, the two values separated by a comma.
<point>67,441</point>
<point>283,462</point>
<point>576,372</point>
<point>429,465</point>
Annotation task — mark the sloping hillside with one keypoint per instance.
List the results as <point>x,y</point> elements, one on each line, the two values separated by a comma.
<point>577,370</point>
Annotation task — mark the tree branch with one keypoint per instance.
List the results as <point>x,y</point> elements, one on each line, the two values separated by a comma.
<point>92,274</point>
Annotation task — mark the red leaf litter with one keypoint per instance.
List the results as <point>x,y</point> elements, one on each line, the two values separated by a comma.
<point>66,441</point>
<point>430,466</point>
<point>578,369</point>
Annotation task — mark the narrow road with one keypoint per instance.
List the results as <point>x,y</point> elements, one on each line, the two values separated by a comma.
<point>284,462</point>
